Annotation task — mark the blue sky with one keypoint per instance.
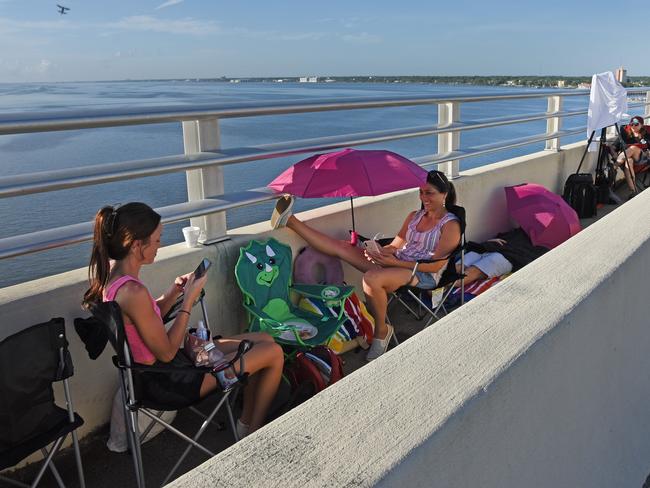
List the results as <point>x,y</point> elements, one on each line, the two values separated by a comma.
<point>140,39</point>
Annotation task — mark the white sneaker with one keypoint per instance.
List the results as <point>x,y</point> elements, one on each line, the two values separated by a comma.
<point>282,211</point>
<point>242,429</point>
<point>379,346</point>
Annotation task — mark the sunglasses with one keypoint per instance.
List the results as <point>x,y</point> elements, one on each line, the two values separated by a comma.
<point>635,124</point>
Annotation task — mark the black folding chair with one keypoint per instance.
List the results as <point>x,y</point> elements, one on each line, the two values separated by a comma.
<point>30,361</point>
<point>133,378</point>
<point>421,293</point>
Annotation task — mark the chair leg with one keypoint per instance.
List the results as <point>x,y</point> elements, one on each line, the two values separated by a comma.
<point>132,435</point>
<point>55,472</point>
<point>77,455</point>
<point>193,442</point>
<point>9,481</point>
<point>48,460</point>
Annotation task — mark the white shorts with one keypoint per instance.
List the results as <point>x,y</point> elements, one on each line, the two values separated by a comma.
<point>491,264</point>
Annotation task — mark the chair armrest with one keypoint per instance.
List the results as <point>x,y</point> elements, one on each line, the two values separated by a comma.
<point>321,291</point>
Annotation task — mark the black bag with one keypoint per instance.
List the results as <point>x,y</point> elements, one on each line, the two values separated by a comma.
<point>580,193</point>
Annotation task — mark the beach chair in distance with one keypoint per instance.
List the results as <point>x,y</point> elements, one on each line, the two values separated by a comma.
<point>30,361</point>
<point>133,376</point>
<point>448,278</point>
<point>264,274</point>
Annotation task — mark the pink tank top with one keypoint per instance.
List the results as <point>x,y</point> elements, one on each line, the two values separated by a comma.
<point>140,352</point>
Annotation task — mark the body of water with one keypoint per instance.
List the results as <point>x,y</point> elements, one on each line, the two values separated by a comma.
<point>26,153</point>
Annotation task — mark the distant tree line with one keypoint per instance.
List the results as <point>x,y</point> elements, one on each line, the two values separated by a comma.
<point>495,80</point>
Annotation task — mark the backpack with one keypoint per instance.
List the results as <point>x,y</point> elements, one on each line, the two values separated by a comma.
<point>581,195</point>
<point>357,329</point>
<point>318,367</point>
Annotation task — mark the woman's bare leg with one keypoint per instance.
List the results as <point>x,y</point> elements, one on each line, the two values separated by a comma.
<point>633,155</point>
<point>377,284</point>
<point>330,246</point>
<point>472,273</point>
<point>264,364</point>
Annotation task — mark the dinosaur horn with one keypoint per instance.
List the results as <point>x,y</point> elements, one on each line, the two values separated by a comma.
<point>269,252</point>
<point>252,258</point>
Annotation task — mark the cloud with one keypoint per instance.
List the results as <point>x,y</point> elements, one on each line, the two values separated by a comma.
<point>10,25</point>
<point>362,38</point>
<point>276,35</point>
<point>152,24</point>
<point>169,3</point>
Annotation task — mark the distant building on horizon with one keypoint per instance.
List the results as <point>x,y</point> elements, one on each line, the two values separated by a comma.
<point>621,75</point>
<point>308,79</point>
<point>561,83</point>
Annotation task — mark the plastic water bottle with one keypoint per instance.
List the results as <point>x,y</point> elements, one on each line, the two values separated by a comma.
<point>202,331</point>
<point>215,356</point>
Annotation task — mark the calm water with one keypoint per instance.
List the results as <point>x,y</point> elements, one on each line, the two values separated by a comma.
<point>27,153</point>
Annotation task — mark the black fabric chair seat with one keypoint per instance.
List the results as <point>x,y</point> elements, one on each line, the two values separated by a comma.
<point>62,427</point>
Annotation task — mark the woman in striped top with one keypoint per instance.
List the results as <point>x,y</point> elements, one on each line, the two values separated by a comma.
<point>430,233</point>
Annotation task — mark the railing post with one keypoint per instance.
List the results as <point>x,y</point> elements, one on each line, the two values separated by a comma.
<point>554,123</point>
<point>448,113</point>
<point>646,109</point>
<point>203,135</point>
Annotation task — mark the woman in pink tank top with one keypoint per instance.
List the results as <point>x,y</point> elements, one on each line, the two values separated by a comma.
<point>430,233</point>
<point>130,236</point>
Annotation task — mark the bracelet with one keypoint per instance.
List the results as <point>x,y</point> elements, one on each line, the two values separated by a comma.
<point>185,311</point>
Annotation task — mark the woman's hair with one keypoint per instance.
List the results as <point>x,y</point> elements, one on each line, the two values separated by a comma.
<point>443,185</point>
<point>116,229</point>
<point>637,118</point>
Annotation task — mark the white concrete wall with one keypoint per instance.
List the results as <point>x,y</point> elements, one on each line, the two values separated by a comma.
<point>542,381</point>
<point>480,190</point>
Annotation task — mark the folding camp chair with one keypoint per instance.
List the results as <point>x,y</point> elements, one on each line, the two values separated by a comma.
<point>419,293</point>
<point>264,274</point>
<point>30,361</point>
<point>133,378</point>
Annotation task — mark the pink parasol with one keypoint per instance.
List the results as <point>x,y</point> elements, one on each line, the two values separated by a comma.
<point>544,216</point>
<point>350,173</point>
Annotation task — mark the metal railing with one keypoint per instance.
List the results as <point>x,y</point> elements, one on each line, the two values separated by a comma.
<point>204,158</point>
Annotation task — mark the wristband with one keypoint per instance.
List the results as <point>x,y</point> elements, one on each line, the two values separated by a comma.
<point>185,311</point>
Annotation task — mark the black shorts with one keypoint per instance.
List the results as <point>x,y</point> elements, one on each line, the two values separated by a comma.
<point>169,390</point>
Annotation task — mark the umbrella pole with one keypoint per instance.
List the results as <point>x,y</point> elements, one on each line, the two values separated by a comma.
<point>352,209</point>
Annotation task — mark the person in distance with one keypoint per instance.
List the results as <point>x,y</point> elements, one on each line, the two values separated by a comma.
<point>430,233</point>
<point>129,236</point>
<point>636,138</point>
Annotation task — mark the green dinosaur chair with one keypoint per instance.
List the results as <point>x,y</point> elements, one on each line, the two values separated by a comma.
<point>263,272</point>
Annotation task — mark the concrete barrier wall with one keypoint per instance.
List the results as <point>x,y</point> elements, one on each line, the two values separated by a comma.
<point>480,190</point>
<point>543,380</point>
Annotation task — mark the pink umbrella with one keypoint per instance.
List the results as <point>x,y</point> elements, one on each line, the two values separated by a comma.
<point>544,216</point>
<point>350,173</point>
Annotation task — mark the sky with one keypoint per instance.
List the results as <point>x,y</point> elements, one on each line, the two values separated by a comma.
<point>160,39</point>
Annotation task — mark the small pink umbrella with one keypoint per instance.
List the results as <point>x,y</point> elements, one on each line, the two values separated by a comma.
<point>543,215</point>
<point>350,173</point>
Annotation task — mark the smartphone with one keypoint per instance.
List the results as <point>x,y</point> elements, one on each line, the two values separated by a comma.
<point>202,268</point>
<point>372,246</point>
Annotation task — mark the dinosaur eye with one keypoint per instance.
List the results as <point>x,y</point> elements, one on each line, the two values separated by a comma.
<point>260,266</point>
<point>272,260</point>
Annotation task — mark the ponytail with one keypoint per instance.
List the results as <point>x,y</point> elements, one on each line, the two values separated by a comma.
<point>115,231</point>
<point>443,185</point>
<point>99,267</point>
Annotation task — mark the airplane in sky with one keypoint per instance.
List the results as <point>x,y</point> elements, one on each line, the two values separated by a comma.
<point>62,9</point>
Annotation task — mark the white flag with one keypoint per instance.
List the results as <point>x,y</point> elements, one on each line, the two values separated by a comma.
<point>607,104</point>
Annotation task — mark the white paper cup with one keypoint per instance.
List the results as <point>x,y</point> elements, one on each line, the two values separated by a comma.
<point>191,235</point>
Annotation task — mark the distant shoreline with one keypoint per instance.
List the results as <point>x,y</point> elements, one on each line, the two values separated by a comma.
<point>516,81</point>
<point>495,80</point>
